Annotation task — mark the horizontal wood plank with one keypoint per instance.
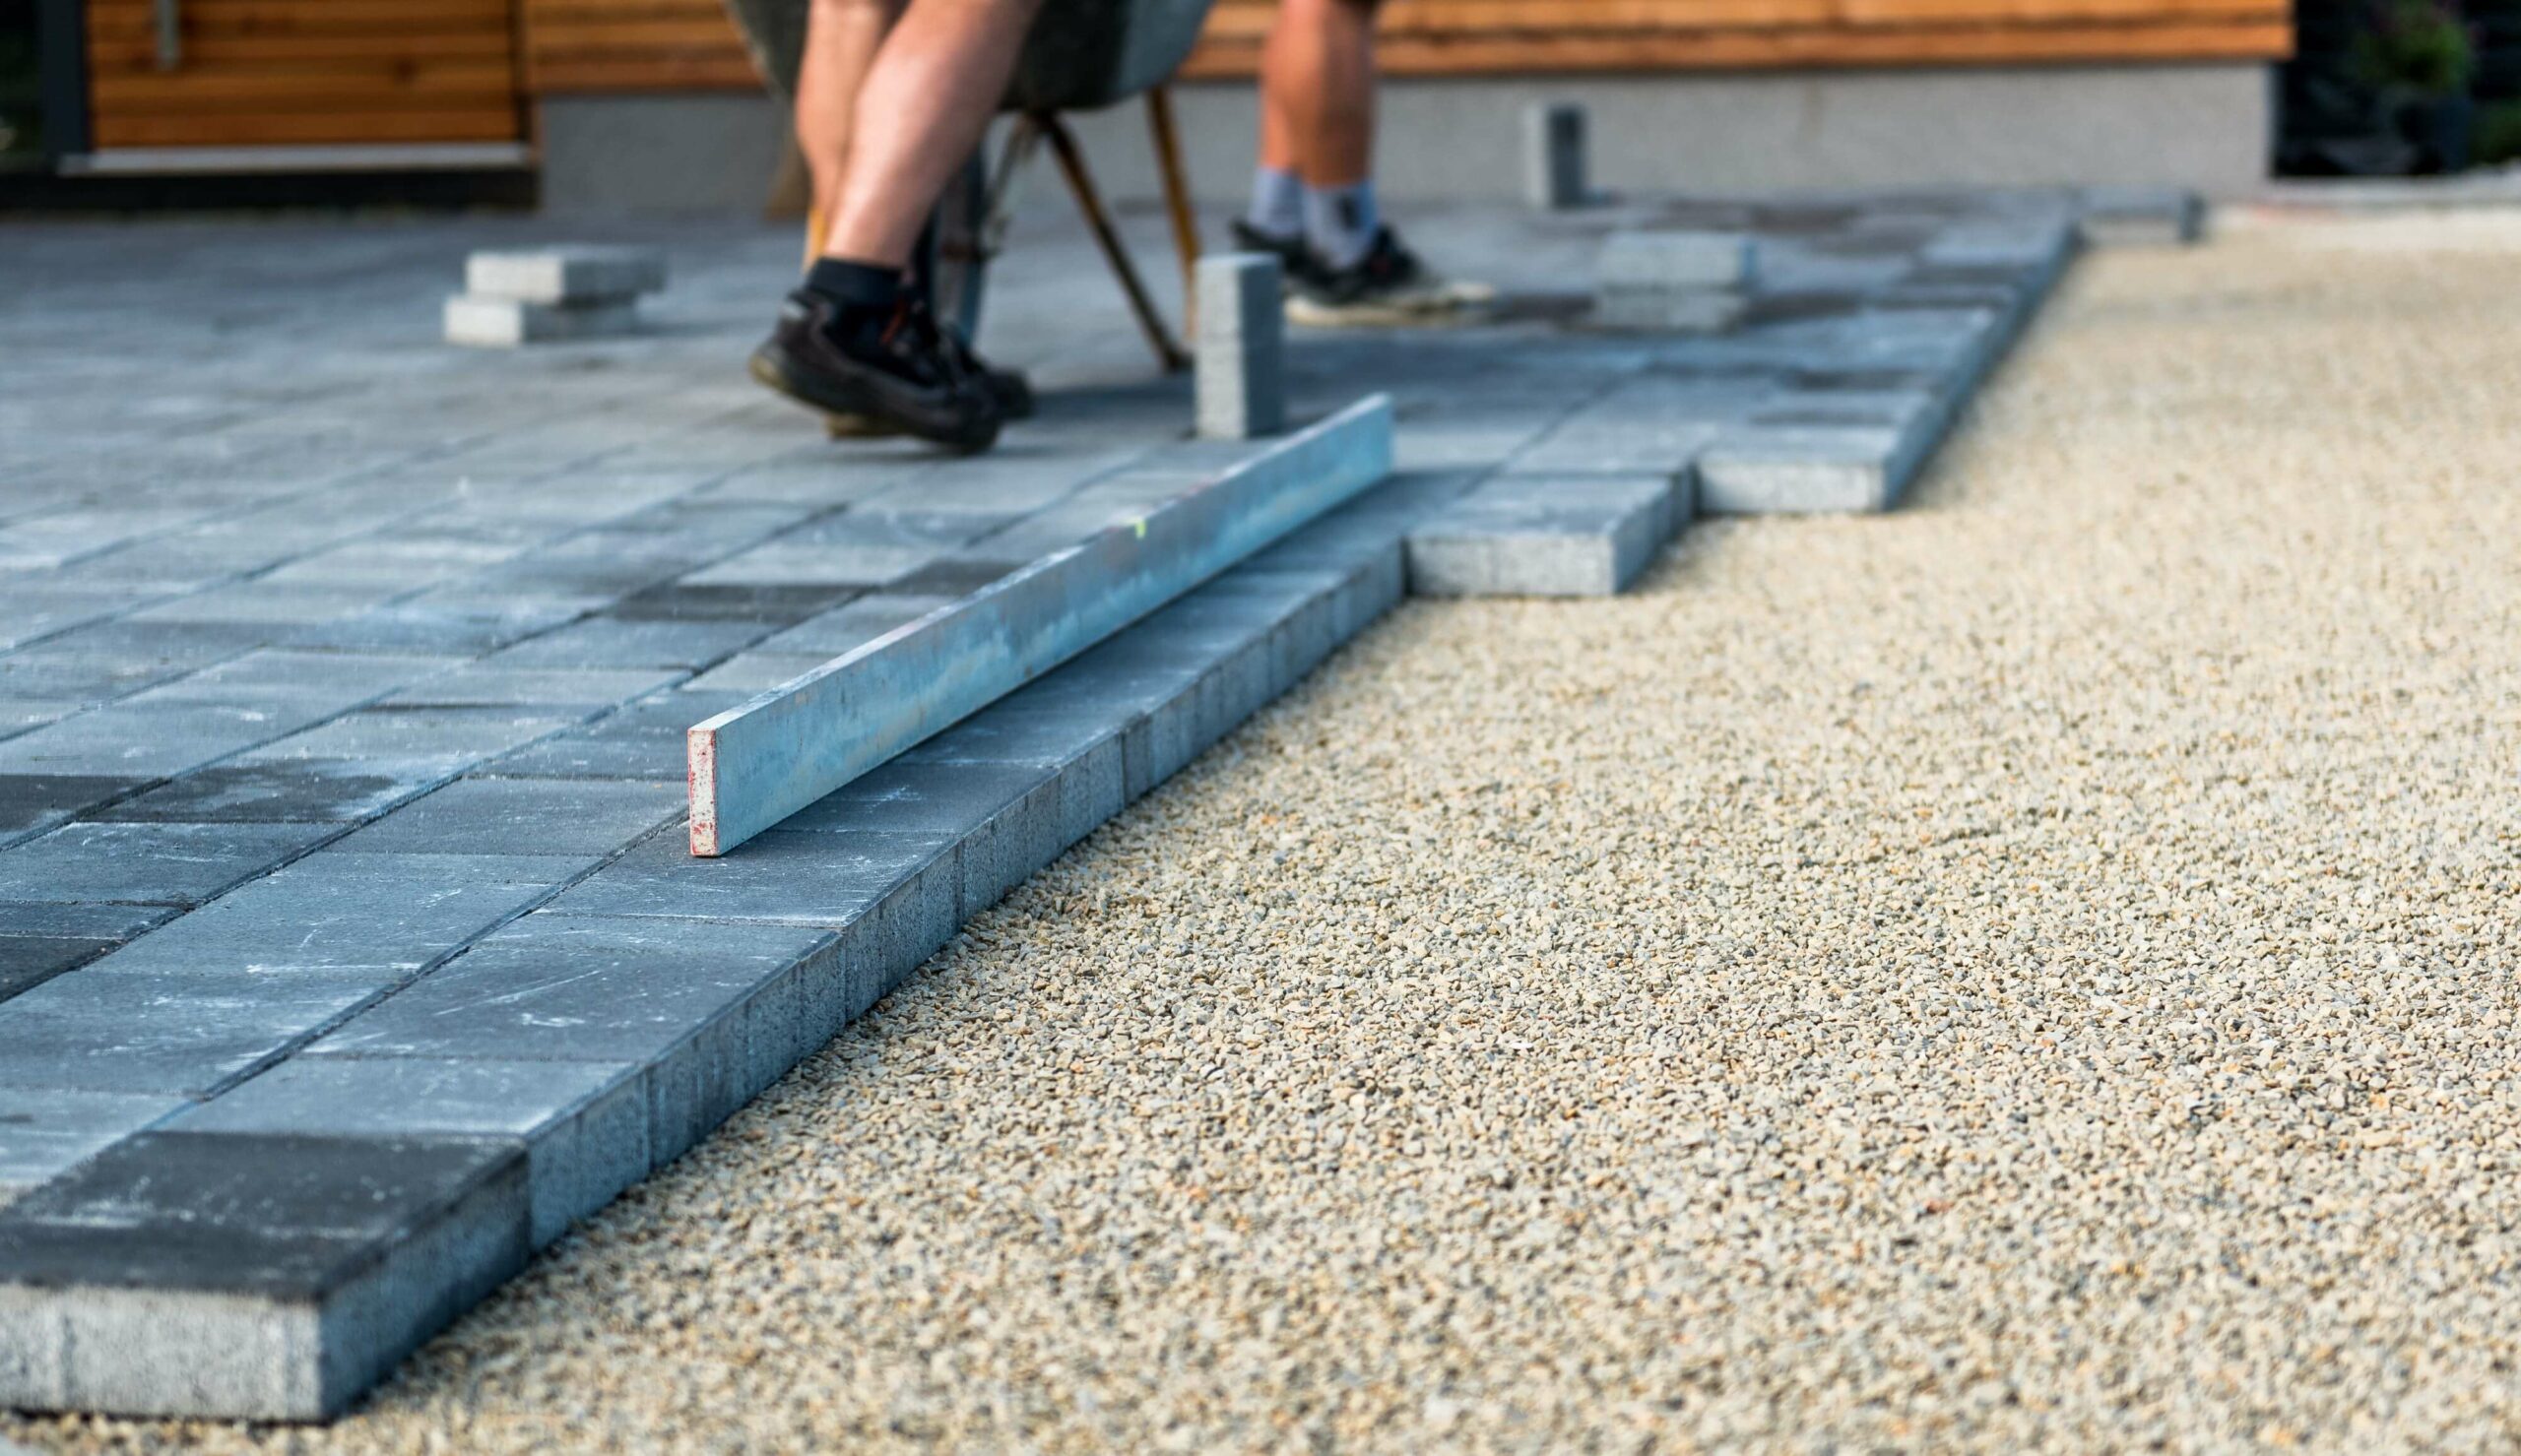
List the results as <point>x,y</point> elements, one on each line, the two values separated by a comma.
<point>581,46</point>
<point>297,17</point>
<point>569,74</point>
<point>305,128</point>
<point>305,72</point>
<point>286,53</point>
<point>602,45</point>
<point>354,86</point>
<point>1427,50</point>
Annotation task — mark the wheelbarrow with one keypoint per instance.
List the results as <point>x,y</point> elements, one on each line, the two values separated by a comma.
<point>1081,55</point>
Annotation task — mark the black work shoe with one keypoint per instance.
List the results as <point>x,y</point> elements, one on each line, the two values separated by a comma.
<point>893,366</point>
<point>1014,393</point>
<point>1296,262</point>
<point>1390,285</point>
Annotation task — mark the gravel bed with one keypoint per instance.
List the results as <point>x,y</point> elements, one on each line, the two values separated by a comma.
<point>2035,968</point>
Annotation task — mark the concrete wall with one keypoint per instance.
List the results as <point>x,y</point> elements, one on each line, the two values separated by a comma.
<point>2200,126</point>
<point>689,152</point>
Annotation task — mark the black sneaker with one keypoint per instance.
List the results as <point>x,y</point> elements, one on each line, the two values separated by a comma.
<point>1013,392</point>
<point>896,368</point>
<point>1295,260</point>
<point>1390,285</point>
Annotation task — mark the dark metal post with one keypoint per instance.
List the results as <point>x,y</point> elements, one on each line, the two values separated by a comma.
<point>1177,200</point>
<point>61,68</point>
<point>1071,161</point>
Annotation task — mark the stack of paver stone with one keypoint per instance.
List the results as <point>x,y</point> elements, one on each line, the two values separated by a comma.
<point>1673,281</point>
<point>547,295</point>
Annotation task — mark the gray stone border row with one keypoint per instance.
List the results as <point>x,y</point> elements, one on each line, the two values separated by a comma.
<point>206,1267</point>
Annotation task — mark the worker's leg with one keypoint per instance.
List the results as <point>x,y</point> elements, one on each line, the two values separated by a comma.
<point>1313,197</point>
<point>841,40</point>
<point>853,342</point>
<point>1317,71</point>
<point>1317,109</point>
<point>926,103</point>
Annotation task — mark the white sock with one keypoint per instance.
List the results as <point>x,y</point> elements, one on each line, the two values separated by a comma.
<point>1341,222</point>
<point>1277,203</point>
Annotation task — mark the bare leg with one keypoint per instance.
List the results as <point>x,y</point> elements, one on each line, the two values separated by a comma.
<point>926,103</point>
<point>1318,91</point>
<point>841,38</point>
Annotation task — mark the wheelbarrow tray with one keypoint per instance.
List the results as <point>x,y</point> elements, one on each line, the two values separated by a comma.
<point>1081,54</point>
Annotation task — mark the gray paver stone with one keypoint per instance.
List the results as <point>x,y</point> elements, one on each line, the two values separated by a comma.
<point>552,690</point>
<point>1240,352</point>
<point>1006,816</point>
<point>1666,260</point>
<point>584,1123</point>
<point>171,1031</point>
<point>149,863</point>
<point>507,816</point>
<point>239,1274</point>
<point>1800,469</point>
<point>1534,536</point>
<point>82,922</point>
<point>305,791</point>
<point>43,1131</point>
<point>852,625</point>
<point>28,961</point>
<point>504,323</point>
<point>603,642</point>
<point>1668,310</point>
<point>390,914</point>
<point>826,880</point>
<point>1088,755</point>
<point>709,1009</point>
<point>460,736</point>
<point>31,803</point>
<point>574,273</point>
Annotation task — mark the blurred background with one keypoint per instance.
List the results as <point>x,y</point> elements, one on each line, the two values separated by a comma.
<point>653,104</point>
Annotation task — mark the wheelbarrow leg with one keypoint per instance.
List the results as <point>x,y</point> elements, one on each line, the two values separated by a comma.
<point>1116,252</point>
<point>1177,200</point>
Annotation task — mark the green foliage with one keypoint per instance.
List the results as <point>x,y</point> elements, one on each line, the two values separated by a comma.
<point>2498,134</point>
<point>20,130</point>
<point>2416,47</point>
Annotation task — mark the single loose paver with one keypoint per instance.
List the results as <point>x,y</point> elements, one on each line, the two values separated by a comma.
<point>1547,536</point>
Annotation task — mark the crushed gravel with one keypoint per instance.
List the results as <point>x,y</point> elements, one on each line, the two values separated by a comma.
<point>2033,970</point>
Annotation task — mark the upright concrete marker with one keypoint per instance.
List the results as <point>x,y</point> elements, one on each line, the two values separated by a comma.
<point>757,764</point>
<point>1554,155</point>
<point>1242,347</point>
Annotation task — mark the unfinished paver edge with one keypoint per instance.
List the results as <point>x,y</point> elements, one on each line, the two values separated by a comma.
<point>1735,479</point>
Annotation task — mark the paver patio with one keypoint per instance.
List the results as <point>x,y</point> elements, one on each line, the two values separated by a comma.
<point>2034,971</point>
<point>347,677</point>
